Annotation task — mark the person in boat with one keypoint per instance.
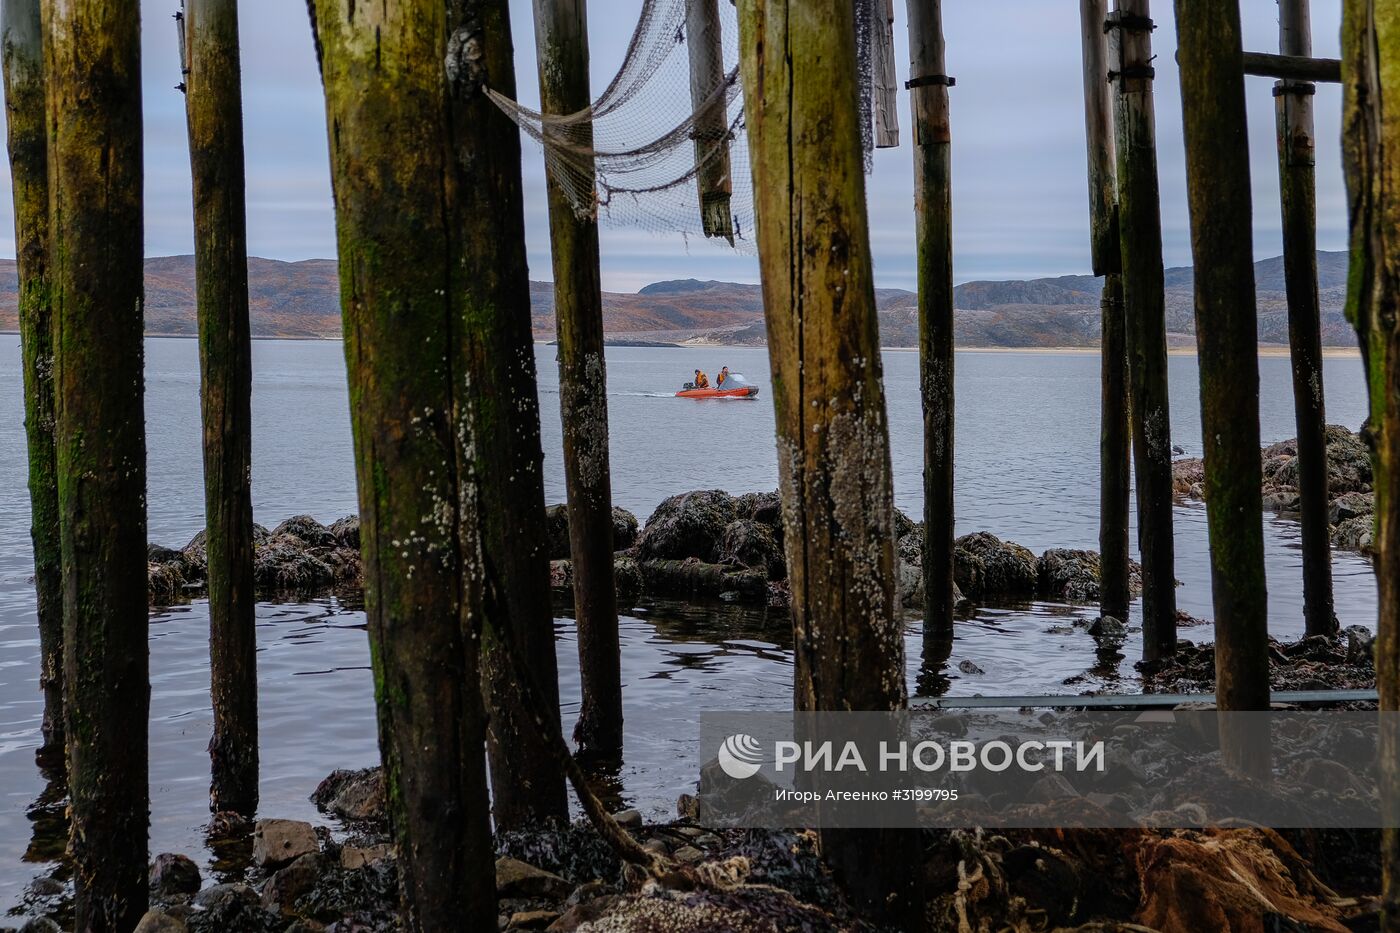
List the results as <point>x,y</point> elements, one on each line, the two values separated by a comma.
<point>702,381</point>
<point>723,375</point>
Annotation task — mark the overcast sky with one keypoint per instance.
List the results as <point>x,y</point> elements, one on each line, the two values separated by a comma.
<point>1019,190</point>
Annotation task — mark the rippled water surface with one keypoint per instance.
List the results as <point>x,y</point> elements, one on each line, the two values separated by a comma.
<point>1027,469</point>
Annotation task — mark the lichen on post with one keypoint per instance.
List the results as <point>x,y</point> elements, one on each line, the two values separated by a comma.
<point>561,42</point>
<point>494,331</point>
<point>798,64</point>
<point>1227,341</point>
<point>933,226</point>
<point>24,105</point>
<point>1144,311</point>
<point>388,71</point>
<point>92,53</point>
<point>1370,154</point>
<point>214,112</point>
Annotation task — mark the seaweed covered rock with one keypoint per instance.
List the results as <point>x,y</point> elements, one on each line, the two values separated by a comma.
<point>687,525</point>
<point>1316,662</point>
<point>624,528</point>
<point>751,544</point>
<point>1068,574</point>
<point>354,796</point>
<point>311,532</point>
<point>557,525</point>
<point>346,531</point>
<point>763,507</point>
<point>985,566</point>
<point>284,562</point>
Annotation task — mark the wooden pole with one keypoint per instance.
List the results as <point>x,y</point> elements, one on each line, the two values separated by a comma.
<point>1370,152</point>
<point>833,439</point>
<point>1292,67</point>
<point>561,41</point>
<point>1298,196</point>
<point>1227,342</point>
<point>93,55</point>
<point>24,104</point>
<point>508,460</point>
<point>933,226</point>
<point>214,111</point>
<point>1115,466</point>
<point>885,90</point>
<point>406,263</point>
<point>705,44</point>
<point>1144,310</point>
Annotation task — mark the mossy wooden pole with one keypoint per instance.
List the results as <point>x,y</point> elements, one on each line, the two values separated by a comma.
<point>1144,311</point>
<point>933,233</point>
<point>1293,108</point>
<point>1371,158</point>
<point>705,43</point>
<point>798,65</point>
<point>28,141</point>
<point>1227,344</point>
<point>507,459</point>
<point>92,52</point>
<point>1115,477</point>
<point>404,260</point>
<point>214,110</point>
<point>561,42</point>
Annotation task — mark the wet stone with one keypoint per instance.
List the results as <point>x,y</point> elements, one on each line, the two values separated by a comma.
<point>158,921</point>
<point>224,896</point>
<point>288,884</point>
<point>688,855</point>
<point>280,842</point>
<point>172,873</point>
<point>352,857</point>
<point>531,919</point>
<point>515,878</point>
<point>629,819</point>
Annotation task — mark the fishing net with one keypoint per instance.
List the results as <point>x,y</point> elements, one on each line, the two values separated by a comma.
<point>663,147</point>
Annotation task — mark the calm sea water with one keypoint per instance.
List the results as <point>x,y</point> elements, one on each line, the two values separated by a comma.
<point>1027,469</point>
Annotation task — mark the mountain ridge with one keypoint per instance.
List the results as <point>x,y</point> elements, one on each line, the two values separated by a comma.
<point>300,299</point>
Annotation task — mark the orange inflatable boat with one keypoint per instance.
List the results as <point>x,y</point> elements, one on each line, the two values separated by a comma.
<point>735,386</point>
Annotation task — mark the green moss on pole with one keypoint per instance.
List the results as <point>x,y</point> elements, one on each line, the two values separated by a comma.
<point>1144,310</point>
<point>561,43</point>
<point>1370,154</point>
<point>24,104</point>
<point>802,116</point>
<point>93,55</point>
<point>214,111</point>
<point>507,460</point>
<point>405,267</point>
<point>1227,342</point>
<point>933,227</point>
<point>1293,108</point>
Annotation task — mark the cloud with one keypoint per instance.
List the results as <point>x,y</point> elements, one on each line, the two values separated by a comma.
<point>1019,201</point>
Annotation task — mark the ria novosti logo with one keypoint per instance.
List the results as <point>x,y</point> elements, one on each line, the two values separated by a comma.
<point>740,756</point>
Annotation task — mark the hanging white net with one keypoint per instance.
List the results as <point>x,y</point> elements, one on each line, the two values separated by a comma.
<point>663,147</point>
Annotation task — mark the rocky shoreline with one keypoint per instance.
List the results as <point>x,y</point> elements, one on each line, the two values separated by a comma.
<point>1352,498</point>
<point>706,544</point>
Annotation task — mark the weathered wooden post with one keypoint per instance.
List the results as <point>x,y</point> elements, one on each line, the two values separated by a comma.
<point>214,112</point>
<point>833,439</point>
<point>1293,108</point>
<point>1144,310</point>
<point>933,225</point>
<point>405,262</point>
<point>705,44</point>
<point>1370,152</point>
<point>1227,342</point>
<point>561,42</point>
<point>1114,439</point>
<point>507,458</point>
<point>24,106</point>
<point>93,55</point>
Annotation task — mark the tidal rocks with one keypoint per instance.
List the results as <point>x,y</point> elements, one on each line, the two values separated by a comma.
<point>515,878</point>
<point>158,921</point>
<point>688,525</point>
<point>172,873</point>
<point>557,522</point>
<point>749,543</point>
<point>1071,575</point>
<point>280,842</point>
<point>299,556</point>
<point>1317,662</point>
<point>696,578</point>
<point>1348,484</point>
<point>984,566</point>
<point>353,796</point>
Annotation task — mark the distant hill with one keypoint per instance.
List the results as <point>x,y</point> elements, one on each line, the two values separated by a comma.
<point>300,299</point>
